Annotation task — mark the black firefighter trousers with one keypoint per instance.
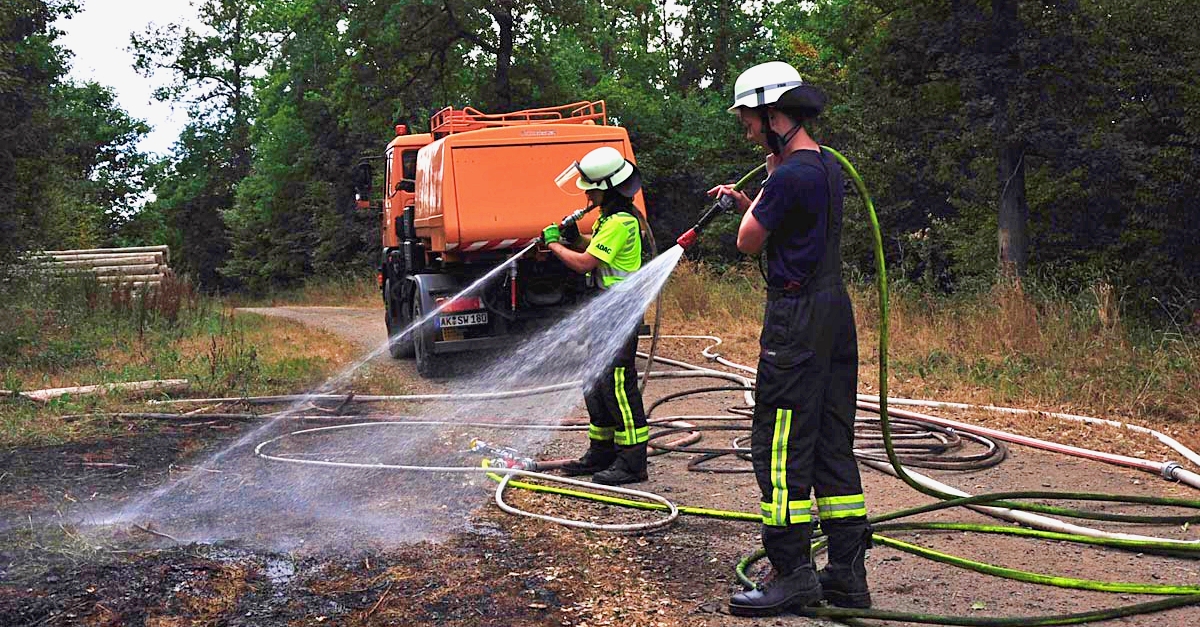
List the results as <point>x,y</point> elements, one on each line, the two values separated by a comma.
<point>614,402</point>
<point>803,431</point>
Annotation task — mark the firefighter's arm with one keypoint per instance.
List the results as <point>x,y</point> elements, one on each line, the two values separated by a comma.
<point>751,233</point>
<point>580,262</point>
<point>579,244</point>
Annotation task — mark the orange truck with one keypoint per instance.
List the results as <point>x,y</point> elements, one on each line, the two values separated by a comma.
<point>463,198</point>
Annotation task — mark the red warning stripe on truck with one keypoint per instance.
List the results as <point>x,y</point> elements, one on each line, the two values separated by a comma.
<point>490,244</point>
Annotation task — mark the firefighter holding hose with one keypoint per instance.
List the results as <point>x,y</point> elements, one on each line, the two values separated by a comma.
<point>803,429</point>
<point>618,432</point>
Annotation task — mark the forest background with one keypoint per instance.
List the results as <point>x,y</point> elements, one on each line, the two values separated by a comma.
<point>1058,142</point>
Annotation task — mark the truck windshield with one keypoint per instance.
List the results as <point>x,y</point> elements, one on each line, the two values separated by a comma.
<point>409,157</point>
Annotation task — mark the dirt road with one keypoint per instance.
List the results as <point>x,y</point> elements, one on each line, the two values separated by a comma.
<point>497,569</point>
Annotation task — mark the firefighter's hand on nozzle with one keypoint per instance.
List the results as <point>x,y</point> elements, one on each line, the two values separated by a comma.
<point>569,232</point>
<point>551,234</point>
<point>740,200</point>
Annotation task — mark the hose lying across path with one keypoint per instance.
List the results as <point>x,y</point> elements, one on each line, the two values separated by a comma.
<point>939,437</point>
<point>939,440</point>
<point>894,442</point>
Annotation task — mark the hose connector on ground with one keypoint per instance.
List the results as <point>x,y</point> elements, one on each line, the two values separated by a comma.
<point>502,456</point>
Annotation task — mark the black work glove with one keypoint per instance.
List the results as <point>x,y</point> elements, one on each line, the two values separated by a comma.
<point>569,233</point>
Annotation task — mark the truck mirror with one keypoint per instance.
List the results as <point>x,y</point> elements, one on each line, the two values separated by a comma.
<point>363,173</point>
<point>406,185</point>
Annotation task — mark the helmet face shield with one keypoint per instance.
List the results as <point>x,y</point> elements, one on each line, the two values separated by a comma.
<point>569,180</point>
<point>603,168</point>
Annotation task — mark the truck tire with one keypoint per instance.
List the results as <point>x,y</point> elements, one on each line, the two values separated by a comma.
<point>396,316</point>
<point>428,365</point>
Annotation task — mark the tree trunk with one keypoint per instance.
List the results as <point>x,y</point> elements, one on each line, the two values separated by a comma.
<point>1013,219</point>
<point>503,14</point>
<point>1013,214</point>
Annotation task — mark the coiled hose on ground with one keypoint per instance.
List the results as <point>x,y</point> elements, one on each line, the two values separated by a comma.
<point>890,444</point>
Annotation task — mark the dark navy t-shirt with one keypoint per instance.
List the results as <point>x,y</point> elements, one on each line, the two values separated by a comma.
<point>795,208</point>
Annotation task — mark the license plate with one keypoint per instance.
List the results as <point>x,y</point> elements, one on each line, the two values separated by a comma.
<point>463,320</point>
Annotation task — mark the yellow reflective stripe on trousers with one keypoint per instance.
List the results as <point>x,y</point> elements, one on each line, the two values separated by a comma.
<point>779,493</point>
<point>623,438</point>
<point>797,512</point>
<point>628,435</point>
<point>603,434</point>
<point>847,506</point>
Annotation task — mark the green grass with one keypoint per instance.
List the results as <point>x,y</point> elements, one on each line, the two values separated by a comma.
<point>61,333</point>
<point>1045,348</point>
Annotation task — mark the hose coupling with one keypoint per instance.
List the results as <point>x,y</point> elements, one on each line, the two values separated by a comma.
<point>1169,469</point>
<point>504,463</point>
<point>574,216</point>
<point>502,456</point>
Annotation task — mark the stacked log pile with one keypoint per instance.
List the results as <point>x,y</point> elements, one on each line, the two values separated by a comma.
<point>134,267</point>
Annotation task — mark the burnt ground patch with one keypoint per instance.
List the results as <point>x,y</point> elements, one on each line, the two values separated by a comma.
<point>502,569</point>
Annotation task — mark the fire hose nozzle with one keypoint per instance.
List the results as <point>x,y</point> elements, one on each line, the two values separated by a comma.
<point>574,216</point>
<point>689,237</point>
<point>723,204</point>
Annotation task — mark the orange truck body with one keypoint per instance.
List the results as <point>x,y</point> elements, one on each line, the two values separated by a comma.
<point>486,182</point>
<point>468,195</point>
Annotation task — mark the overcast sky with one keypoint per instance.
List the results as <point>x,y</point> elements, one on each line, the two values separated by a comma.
<point>98,35</point>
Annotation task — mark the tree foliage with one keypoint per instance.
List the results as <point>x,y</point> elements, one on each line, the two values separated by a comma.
<point>70,170</point>
<point>1056,141</point>
<point>212,69</point>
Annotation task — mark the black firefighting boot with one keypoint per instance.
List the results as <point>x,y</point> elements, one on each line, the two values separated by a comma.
<point>795,584</point>
<point>629,467</point>
<point>600,455</point>
<point>844,578</point>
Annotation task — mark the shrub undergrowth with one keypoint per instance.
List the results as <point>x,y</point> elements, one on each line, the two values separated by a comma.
<point>1038,347</point>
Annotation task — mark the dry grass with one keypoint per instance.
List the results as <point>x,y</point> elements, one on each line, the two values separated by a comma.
<point>347,291</point>
<point>1001,348</point>
<point>272,344</point>
<point>279,340</point>
<point>220,354</point>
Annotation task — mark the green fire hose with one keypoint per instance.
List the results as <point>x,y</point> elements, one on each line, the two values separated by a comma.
<point>1178,595</point>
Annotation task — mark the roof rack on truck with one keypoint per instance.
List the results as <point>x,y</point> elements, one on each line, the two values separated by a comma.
<point>450,120</point>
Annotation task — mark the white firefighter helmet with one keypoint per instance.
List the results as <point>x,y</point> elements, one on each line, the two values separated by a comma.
<point>602,168</point>
<point>763,84</point>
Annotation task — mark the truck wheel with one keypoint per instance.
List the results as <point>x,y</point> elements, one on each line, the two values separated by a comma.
<point>427,362</point>
<point>395,315</point>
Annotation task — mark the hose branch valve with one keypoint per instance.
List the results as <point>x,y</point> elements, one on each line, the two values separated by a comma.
<point>723,204</point>
<point>571,219</point>
<point>689,237</point>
